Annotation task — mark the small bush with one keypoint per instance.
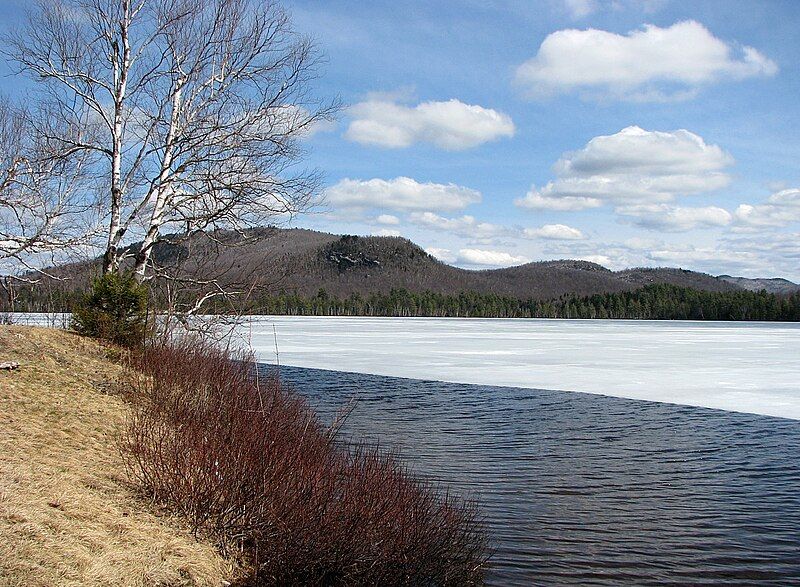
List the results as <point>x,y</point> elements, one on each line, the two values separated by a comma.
<point>114,310</point>
<point>250,464</point>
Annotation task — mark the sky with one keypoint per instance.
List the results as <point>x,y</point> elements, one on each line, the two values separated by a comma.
<point>625,132</point>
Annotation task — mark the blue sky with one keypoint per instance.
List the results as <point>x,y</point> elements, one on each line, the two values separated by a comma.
<point>629,132</point>
<point>421,52</point>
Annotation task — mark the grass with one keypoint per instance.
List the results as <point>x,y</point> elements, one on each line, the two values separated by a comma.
<point>245,468</point>
<point>68,515</point>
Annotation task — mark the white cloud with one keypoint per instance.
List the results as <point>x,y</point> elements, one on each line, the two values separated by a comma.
<point>388,219</point>
<point>294,119</point>
<point>675,218</point>
<point>536,201</point>
<point>401,193</point>
<point>387,232</point>
<point>776,256</point>
<point>752,255</point>
<point>468,227</point>
<point>648,64</point>
<point>555,232</point>
<point>451,125</point>
<point>445,255</point>
<point>465,226</point>
<point>603,260</point>
<point>781,208</point>
<point>633,166</point>
<point>712,259</point>
<point>580,8</point>
<point>678,153</point>
<point>489,258</point>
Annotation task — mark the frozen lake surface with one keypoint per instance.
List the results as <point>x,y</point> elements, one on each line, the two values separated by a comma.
<point>744,367</point>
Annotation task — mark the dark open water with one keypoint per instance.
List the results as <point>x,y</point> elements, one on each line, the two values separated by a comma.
<point>592,490</point>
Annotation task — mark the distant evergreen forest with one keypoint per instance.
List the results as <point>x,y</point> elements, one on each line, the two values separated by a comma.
<point>652,302</point>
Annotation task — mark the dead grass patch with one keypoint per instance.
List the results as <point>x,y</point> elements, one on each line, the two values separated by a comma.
<point>67,515</point>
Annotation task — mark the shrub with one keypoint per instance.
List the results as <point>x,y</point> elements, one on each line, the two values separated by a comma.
<point>250,464</point>
<point>114,310</point>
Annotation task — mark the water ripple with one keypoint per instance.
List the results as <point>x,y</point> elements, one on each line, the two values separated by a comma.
<point>593,490</point>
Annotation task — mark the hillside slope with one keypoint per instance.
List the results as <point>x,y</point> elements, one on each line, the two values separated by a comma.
<point>347,264</point>
<point>67,513</point>
<point>303,261</point>
<point>773,285</point>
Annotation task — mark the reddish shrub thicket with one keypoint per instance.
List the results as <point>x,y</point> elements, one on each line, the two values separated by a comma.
<point>251,465</point>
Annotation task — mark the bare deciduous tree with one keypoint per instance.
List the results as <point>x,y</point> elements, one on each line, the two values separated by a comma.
<point>190,113</point>
<point>43,207</point>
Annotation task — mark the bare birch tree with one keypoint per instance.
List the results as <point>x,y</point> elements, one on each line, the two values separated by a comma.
<point>44,210</point>
<point>191,113</point>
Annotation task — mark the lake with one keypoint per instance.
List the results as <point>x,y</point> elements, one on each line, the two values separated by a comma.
<point>740,366</point>
<point>648,488</point>
<point>580,488</point>
<point>592,490</point>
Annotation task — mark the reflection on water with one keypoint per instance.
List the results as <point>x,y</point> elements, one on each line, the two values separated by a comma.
<point>592,490</point>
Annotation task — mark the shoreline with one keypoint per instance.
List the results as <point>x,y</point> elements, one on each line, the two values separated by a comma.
<point>68,514</point>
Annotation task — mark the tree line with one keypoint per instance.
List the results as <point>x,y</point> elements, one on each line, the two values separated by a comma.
<point>652,302</point>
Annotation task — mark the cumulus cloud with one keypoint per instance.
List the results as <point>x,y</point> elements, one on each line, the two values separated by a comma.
<point>387,232</point>
<point>483,258</point>
<point>678,153</point>
<point>560,232</point>
<point>465,226</point>
<point>633,166</point>
<point>478,258</point>
<point>713,259</point>
<point>648,64</point>
<point>388,219</point>
<point>401,193</point>
<point>535,200</point>
<point>781,209</point>
<point>778,255</point>
<point>445,255</point>
<point>666,218</point>
<point>296,120</point>
<point>450,125</point>
<point>751,255</point>
<point>468,227</point>
<point>603,260</point>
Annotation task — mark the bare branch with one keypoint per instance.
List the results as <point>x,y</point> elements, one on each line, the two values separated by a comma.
<point>186,115</point>
<point>43,209</point>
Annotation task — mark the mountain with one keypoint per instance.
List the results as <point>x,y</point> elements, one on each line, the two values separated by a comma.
<point>774,285</point>
<point>304,261</point>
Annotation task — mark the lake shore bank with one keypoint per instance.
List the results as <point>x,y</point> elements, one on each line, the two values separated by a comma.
<point>68,515</point>
<point>251,487</point>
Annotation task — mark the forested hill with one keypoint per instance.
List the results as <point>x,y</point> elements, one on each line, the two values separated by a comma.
<point>304,261</point>
<point>300,263</point>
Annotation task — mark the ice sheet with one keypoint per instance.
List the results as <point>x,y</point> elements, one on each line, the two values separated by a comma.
<point>739,366</point>
<point>744,367</point>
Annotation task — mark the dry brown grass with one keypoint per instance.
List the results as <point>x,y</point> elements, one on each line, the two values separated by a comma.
<point>67,515</point>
